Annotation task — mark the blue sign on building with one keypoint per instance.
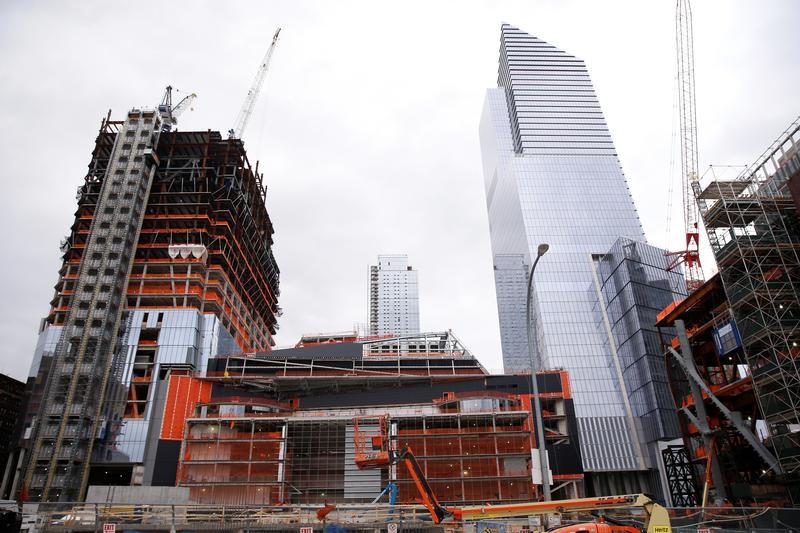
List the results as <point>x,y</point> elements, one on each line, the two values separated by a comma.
<point>727,338</point>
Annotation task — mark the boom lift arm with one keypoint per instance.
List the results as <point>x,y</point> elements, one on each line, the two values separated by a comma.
<point>372,451</point>
<point>656,519</point>
<point>406,457</point>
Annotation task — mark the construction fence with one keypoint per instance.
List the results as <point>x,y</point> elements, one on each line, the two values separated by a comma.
<point>57,517</point>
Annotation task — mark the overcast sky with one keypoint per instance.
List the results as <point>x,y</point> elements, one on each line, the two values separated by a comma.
<point>367,128</point>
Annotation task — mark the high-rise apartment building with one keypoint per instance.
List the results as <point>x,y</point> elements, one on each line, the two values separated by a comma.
<point>169,262</point>
<point>552,176</point>
<point>393,297</point>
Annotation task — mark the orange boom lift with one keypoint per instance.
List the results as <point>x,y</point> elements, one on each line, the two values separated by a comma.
<point>373,450</point>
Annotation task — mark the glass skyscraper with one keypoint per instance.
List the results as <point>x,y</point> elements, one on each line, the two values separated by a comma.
<point>552,176</point>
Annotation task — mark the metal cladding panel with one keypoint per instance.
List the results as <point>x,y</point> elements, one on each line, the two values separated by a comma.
<point>413,393</point>
<point>166,463</point>
<point>183,394</point>
<point>359,484</point>
<point>605,444</point>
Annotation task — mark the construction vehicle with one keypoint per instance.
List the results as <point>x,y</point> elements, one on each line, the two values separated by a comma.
<point>373,450</point>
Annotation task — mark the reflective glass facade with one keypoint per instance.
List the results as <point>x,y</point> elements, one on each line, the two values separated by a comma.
<point>156,341</point>
<point>632,286</point>
<point>552,176</point>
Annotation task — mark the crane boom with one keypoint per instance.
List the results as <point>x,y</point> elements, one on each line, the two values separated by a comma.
<point>169,112</point>
<point>183,105</point>
<point>252,95</point>
<point>690,181</point>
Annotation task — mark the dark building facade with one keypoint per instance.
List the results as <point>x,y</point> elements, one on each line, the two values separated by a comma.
<point>11,396</point>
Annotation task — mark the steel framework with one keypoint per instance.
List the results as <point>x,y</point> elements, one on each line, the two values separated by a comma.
<point>680,476</point>
<point>754,232</point>
<point>165,220</point>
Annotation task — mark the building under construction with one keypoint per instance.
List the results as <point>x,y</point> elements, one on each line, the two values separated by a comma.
<point>168,263</point>
<point>281,426</point>
<point>734,362</point>
<point>718,450</point>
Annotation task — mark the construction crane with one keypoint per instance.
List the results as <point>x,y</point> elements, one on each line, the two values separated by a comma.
<point>169,112</point>
<point>372,450</point>
<point>690,181</point>
<point>237,130</point>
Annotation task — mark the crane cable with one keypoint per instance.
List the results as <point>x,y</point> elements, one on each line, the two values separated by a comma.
<point>671,175</point>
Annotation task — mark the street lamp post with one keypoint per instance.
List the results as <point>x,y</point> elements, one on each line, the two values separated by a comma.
<point>537,407</point>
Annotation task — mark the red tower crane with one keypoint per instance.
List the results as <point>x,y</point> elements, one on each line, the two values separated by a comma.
<point>690,181</point>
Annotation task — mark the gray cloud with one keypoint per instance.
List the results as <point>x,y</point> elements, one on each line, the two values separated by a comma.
<point>366,129</point>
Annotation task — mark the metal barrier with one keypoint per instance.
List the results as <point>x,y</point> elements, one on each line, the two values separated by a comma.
<point>63,517</point>
<point>52,517</point>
